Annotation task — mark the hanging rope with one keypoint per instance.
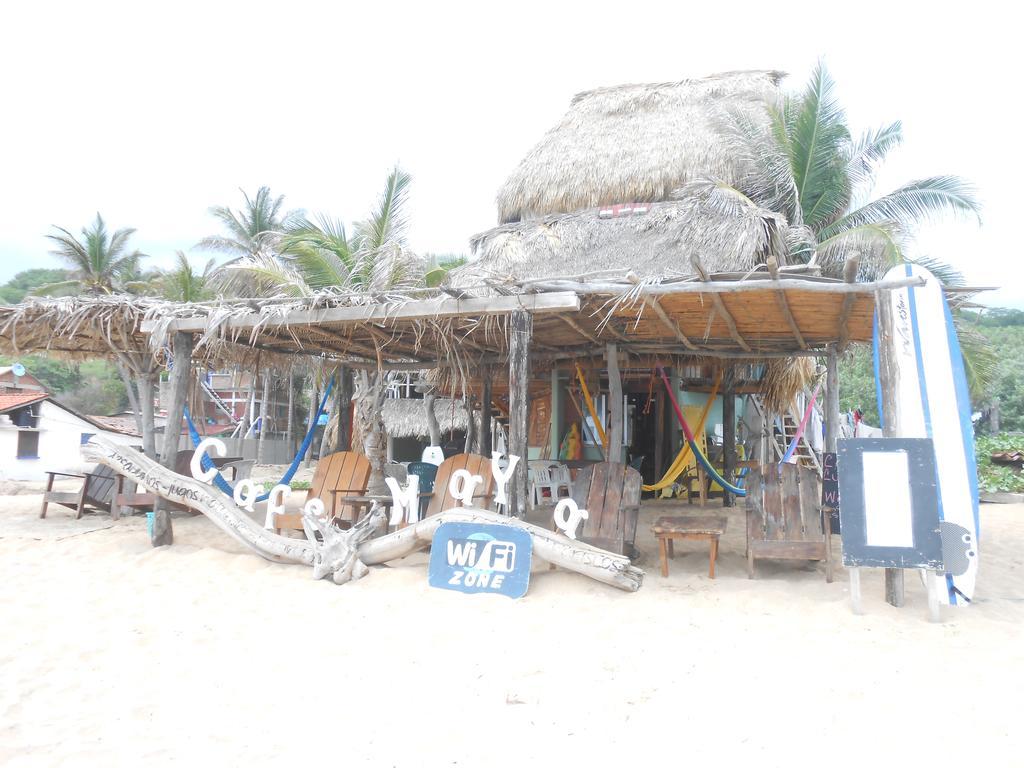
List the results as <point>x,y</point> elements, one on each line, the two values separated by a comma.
<point>223,485</point>
<point>733,489</point>
<point>593,412</point>
<point>682,460</point>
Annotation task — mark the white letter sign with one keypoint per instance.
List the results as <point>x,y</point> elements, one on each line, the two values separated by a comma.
<point>569,522</point>
<point>462,486</point>
<point>196,465</point>
<point>405,503</point>
<point>501,478</point>
<point>275,504</point>
<point>246,493</point>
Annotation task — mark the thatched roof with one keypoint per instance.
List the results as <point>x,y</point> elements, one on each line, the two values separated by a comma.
<point>635,143</point>
<point>407,417</point>
<point>706,230</point>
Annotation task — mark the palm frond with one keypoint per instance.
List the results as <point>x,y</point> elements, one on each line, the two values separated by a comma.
<point>870,150</point>
<point>918,201</point>
<point>387,223</point>
<point>877,246</point>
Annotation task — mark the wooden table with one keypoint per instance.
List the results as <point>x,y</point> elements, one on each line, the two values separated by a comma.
<point>693,527</point>
<point>358,503</point>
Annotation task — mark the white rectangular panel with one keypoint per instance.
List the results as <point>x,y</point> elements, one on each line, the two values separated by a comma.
<point>888,520</point>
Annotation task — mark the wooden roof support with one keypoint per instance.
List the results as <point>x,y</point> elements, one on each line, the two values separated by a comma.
<point>850,276</point>
<point>430,309</point>
<point>780,299</point>
<point>733,330</point>
<point>668,322</point>
<point>578,328</point>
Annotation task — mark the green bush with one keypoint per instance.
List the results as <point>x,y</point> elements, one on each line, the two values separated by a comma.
<point>994,478</point>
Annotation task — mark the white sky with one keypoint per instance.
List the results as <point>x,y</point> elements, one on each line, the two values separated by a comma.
<point>150,113</point>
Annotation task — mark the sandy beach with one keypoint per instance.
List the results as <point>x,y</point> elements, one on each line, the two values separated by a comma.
<point>115,653</point>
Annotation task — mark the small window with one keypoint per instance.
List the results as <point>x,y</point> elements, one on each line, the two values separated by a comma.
<point>28,444</point>
<point>86,436</point>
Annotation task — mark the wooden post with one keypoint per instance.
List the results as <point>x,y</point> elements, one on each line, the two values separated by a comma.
<point>555,412</point>
<point>888,374</point>
<point>146,384</point>
<point>520,330</point>
<point>290,428</point>
<point>832,400</point>
<point>261,455</point>
<point>314,403</point>
<point>615,426</point>
<point>344,407</point>
<point>729,431</point>
<point>659,433</point>
<point>485,411</point>
<point>163,534</point>
<point>470,444</point>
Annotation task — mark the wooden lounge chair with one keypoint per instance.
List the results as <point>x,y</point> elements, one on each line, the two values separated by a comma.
<point>99,489</point>
<point>441,497</point>
<point>784,519</point>
<point>337,475</point>
<point>611,495</point>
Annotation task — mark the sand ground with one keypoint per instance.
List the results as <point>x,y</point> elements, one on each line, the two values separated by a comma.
<point>114,653</point>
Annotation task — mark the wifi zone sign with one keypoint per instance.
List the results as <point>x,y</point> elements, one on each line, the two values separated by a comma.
<point>474,557</point>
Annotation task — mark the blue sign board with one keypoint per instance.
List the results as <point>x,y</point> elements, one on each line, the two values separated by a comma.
<point>475,557</point>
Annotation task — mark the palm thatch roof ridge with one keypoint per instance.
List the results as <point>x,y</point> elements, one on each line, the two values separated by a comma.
<point>705,231</point>
<point>407,417</point>
<point>636,143</point>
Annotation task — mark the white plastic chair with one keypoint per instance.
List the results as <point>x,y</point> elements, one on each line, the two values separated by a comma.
<point>561,478</point>
<point>540,480</point>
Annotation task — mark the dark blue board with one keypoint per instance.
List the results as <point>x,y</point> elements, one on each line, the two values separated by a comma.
<point>476,557</point>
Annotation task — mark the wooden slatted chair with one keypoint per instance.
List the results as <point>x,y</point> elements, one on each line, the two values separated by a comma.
<point>441,497</point>
<point>610,493</point>
<point>339,474</point>
<point>99,490</point>
<point>784,520</point>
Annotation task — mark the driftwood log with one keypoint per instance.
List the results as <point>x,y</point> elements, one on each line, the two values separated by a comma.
<point>345,555</point>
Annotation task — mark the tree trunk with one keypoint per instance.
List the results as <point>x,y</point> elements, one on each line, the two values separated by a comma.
<point>369,403</point>
<point>163,533</point>
<point>345,555</point>
<point>146,384</point>
<point>261,449</point>
<point>325,439</point>
<point>432,426</point>
<point>133,395</point>
<point>344,409</point>
<point>471,443</point>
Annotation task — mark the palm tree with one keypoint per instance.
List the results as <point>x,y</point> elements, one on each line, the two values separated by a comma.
<point>184,283</point>
<point>809,167</point>
<point>99,262</point>
<point>252,227</point>
<point>322,255</point>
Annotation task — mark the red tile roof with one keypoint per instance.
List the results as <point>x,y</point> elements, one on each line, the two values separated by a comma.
<point>11,400</point>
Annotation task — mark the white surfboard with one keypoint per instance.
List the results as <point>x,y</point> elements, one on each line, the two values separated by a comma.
<point>933,401</point>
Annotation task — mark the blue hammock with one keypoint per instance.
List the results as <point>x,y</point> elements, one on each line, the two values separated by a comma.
<point>223,485</point>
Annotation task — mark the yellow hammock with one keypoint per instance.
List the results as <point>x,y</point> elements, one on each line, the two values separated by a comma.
<point>682,458</point>
<point>593,411</point>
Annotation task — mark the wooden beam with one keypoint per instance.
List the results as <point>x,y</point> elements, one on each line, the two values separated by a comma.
<point>659,311</point>
<point>850,276</point>
<point>578,328</point>
<point>780,299</point>
<point>730,323</point>
<point>729,286</point>
<point>615,430</point>
<point>729,431</point>
<point>486,407</point>
<point>387,313</point>
<point>520,329</point>
<point>832,400</point>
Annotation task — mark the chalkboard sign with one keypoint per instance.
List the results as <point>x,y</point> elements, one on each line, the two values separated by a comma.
<point>890,506</point>
<point>477,557</point>
<point>830,488</point>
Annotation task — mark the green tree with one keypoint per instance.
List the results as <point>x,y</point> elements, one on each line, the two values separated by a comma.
<point>24,283</point>
<point>184,282</point>
<point>56,376</point>
<point>99,262</point>
<point>251,228</point>
<point>321,255</point>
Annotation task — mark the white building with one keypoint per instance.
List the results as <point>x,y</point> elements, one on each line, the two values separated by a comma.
<point>39,435</point>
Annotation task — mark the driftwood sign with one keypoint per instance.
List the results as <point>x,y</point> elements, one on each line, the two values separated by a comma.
<point>345,555</point>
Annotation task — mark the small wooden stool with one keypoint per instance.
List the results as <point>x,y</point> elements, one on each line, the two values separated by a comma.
<point>696,527</point>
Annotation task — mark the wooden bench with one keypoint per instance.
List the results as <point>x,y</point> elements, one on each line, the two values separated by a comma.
<point>696,528</point>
